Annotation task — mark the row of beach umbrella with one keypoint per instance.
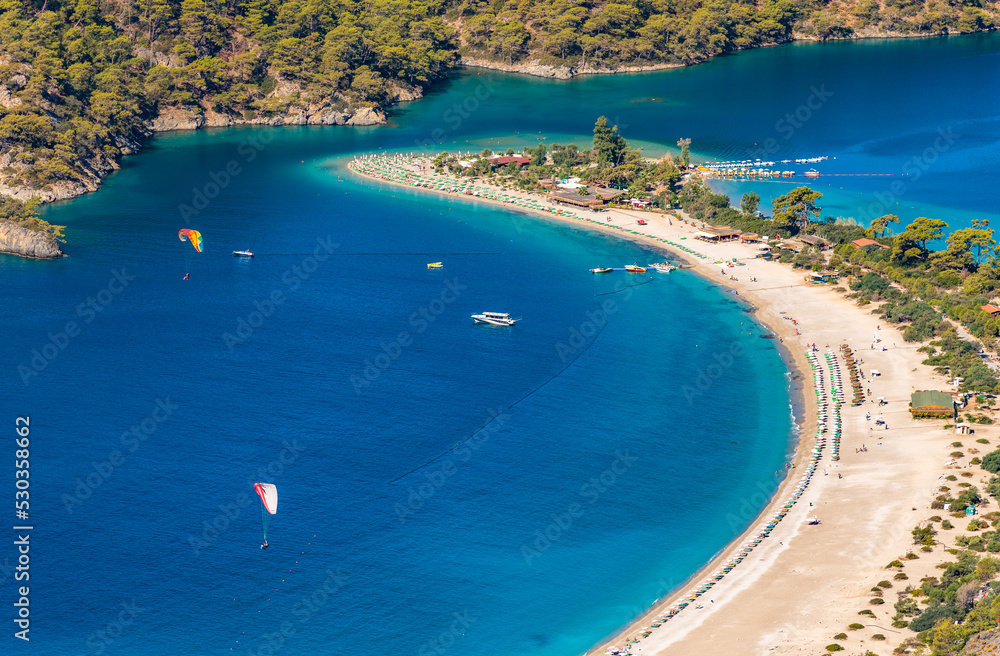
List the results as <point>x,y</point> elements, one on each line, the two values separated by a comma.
<point>743,551</point>
<point>399,169</point>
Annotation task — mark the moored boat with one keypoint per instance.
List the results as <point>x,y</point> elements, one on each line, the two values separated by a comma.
<point>661,267</point>
<point>495,318</point>
<point>243,253</point>
<point>635,268</point>
<point>601,270</point>
<point>435,265</point>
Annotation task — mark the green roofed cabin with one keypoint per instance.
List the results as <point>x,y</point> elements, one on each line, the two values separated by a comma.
<point>931,403</point>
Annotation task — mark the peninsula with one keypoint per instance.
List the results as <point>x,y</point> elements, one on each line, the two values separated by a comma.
<point>882,536</point>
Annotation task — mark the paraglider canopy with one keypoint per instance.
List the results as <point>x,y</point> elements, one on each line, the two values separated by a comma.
<point>268,496</point>
<point>193,236</point>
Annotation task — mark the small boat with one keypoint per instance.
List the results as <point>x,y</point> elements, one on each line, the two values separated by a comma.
<point>635,268</point>
<point>601,270</point>
<point>243,253</point>
<point>812,173</point>
<point>661,267</point>
<point>495,318</point>
<point>435,265</point>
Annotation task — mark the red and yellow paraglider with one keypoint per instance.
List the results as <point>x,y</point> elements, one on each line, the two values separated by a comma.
<point>193,236</point>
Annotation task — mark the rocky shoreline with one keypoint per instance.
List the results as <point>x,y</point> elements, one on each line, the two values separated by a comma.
<point>538,69</point>
<point>299,110</point>
<point>184,118</point>
<point>564,72</point>
<point>17,240</point>
<point>181,118</point>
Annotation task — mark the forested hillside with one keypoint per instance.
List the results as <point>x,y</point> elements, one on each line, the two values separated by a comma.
<point>635,32</point>
<point>84,81</point>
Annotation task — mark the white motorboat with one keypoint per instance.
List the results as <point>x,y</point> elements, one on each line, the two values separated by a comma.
<point>495,318</point>
<point>243,253</point>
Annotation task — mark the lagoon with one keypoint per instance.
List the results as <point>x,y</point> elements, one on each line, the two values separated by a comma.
<point>293,368</point>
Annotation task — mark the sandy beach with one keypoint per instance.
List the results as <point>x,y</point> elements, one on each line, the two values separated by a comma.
<point>801,584</point>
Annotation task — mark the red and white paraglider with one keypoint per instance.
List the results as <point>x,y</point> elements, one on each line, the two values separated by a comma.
<point>268,494</point>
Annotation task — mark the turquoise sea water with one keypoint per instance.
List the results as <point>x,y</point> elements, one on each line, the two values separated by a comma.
<point>630,429</point>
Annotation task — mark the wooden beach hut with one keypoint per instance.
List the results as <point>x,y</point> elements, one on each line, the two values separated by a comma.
<point>815,240</point>
<point>932,403</point>
<point>572,197</point>
<point>822,277</point>
<point>718,233</point>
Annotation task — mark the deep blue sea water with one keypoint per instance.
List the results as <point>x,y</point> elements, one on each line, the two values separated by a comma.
<point>635,429</point>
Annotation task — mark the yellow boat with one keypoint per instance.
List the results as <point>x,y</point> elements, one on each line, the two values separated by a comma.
<point>435,265</point>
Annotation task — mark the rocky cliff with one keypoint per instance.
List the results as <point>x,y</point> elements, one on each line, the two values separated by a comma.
<point>16,240</point>
<point>981,644</point>
<point>193,118</point>
<point>538,69</point>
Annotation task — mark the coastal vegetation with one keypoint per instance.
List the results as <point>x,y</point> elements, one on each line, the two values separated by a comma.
<point>935,285</point>
<point>613,34</point>
<point>82,83</point>
<point>934,295</point>
<point>948,610</point>
<point>24,215</point>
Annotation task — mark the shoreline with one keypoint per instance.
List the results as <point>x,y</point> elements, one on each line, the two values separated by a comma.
<point>536,68</point>
<point>811,582</point>
<point>794,360</point>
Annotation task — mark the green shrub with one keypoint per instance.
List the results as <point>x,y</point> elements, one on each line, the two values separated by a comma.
<point>951,477</point>
<point>895,563</point>
<point>906,607</point>
<point>834,647</point>
<point>946,525</point>
<point>840,636</point>
<point>876,601</point>
<point>866,611</point>
<point>983,441</point>
<point>901,576</point>
<point>932,615</point>
<point>884,584</point>
<point>856,626</point>
<point>991,461</point>
<point>912,556</point>
<point>935,518</point>
<point>956,445</point>
<point>878,636</point>
<point>899,624</point>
